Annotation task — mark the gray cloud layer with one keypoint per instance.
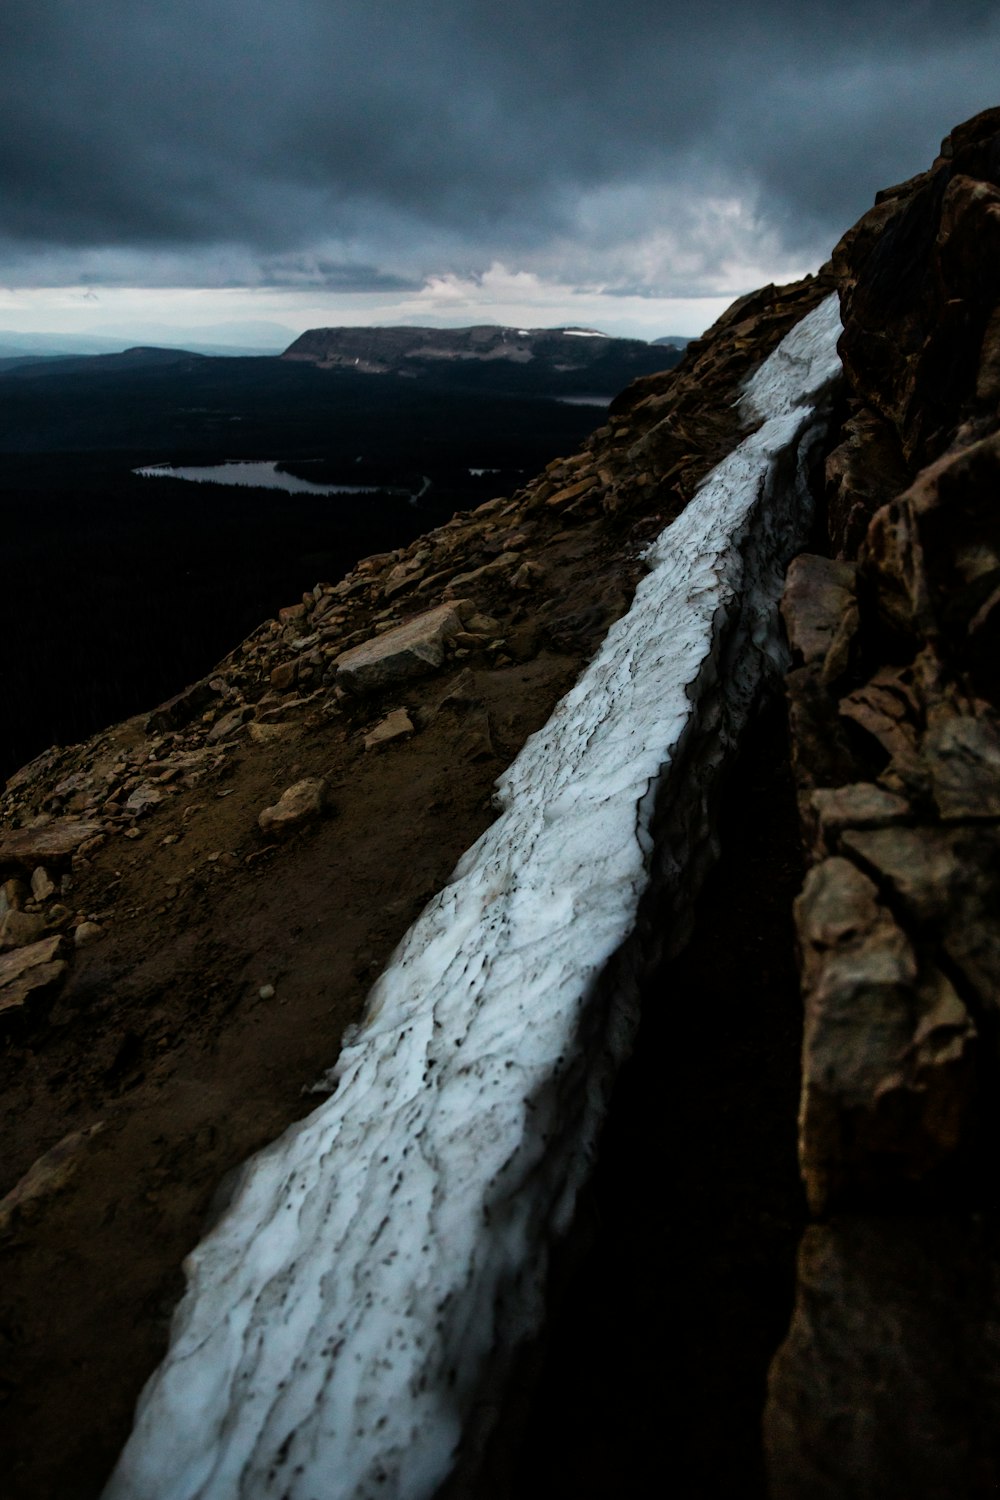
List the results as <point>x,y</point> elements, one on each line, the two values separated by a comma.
<point>365,143</point>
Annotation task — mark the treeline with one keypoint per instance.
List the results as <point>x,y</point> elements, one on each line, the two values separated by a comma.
<point>197,408</point>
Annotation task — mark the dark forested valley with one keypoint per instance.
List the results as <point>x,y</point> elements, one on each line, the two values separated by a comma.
<point>119,589</point>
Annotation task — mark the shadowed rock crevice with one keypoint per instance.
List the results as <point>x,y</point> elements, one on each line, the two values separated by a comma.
<point>657,1356</point>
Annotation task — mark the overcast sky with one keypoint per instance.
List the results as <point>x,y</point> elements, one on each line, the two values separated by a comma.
<point>632,165</point>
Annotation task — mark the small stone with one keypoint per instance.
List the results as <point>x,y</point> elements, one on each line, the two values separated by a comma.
<point>14,893</point>
<point>861,804</point>
<point>28,973</point>
<point>87,932</point>
<point>47,1176</point>
<point>404,575</point>
<point>283,676</point>
<point>479,624</point>
<point>486,574</point>
<point>180,710</point>
<point>20,928</point>
<point>229,724</point>
<point>42,884</point>
<point>143,799</point>
<point>266,992</point>
<point>301,803</point>
<point>133,833</point>
<point>267,734</point>
<point>572,491</point>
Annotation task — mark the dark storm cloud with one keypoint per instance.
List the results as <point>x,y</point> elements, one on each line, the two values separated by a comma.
<point>407,136</point>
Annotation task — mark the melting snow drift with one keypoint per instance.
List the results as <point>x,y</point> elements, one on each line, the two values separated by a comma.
<point>380,1261</point>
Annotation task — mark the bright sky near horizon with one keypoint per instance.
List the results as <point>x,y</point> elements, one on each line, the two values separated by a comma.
<point>307,162</point>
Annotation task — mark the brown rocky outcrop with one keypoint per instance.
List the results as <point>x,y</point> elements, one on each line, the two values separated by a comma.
<point>896,686</point>
<point>896,749</point>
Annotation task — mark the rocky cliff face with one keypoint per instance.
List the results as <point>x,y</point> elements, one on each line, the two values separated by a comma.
<point>896,745</point>
<point>172,975</point>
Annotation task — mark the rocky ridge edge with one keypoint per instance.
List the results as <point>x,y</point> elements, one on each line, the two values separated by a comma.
<point>886,1383</point>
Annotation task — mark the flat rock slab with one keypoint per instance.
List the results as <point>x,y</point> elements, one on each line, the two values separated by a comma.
<point>395,726</point>
<point>27,972</point>
<point>58,840</point>
<point>414,649</point>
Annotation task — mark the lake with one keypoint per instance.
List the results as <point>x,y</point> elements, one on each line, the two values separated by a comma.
<point>259,474</point>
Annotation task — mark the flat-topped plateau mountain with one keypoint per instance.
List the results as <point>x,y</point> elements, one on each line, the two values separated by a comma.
<point>558,360</point>
<point>390,877</point>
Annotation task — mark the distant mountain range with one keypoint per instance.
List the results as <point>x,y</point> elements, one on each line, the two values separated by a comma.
<point>367,350</point>
<point>218,339</point>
